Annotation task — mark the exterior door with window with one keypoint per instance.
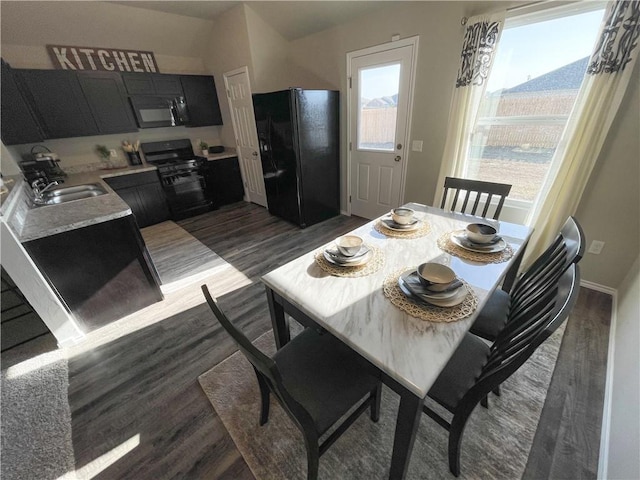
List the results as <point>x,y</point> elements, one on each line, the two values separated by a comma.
<point>244,127</point>
<point>380,99</point>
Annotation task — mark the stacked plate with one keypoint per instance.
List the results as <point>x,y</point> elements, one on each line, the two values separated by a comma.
<point>391,225</point>
<point>446,295</point>
<point>333,255</point>
<point>494,246</point>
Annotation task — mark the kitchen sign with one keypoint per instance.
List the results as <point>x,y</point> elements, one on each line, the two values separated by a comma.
<point>65,57</point>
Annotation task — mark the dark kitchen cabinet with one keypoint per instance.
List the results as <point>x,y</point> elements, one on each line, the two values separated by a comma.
<point>101,272</point>
<point>107,98</point>
<point>202,100</point>
<point>152,84</point>
<point>58,103</point>
<point>17,122</point>
<point>144,195</point>
<point>224,181</point>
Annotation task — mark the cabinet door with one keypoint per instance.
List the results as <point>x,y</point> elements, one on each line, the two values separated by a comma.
<point>166,84</point>
<point>202,100</point>
<point>17,123</point>
<point>154,203</point>
<point>58,102</point>
<point>132,198</point>
<point>138,83</point>
<point>224,182</point>
<point>107,99</point>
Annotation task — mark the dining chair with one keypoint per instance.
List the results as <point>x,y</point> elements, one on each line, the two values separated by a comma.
<point>567,248</point>
<point>476,368</point>
<point>463,190</point>
<point>316,379</point>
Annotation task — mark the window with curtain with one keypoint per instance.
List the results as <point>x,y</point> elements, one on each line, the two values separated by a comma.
<point>531,90</point>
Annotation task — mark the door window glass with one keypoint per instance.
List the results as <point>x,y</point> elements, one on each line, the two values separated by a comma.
<point>378,107</point>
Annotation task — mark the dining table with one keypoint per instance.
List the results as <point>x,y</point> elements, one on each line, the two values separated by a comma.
<point>407,343</point>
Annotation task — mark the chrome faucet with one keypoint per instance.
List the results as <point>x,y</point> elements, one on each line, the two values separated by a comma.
<point>38,188</point>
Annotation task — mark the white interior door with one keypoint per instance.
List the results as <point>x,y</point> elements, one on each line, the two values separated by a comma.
<point>244,126</point>
<point>379,111</point>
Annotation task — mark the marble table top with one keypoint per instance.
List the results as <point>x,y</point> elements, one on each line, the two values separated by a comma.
<point>355,310</point>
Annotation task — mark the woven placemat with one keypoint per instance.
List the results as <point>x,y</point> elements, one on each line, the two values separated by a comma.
<point>421,231</point>
<point>372,266</point>
<point>445,243</point>
<point>423,311</point>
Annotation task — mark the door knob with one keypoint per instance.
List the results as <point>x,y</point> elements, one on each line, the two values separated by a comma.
<point>255,154</point>
<point>399,146</point>
<point>398,158</point>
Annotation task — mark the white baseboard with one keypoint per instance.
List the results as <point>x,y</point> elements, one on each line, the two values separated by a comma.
<point>598,288</point>
<point>603,456</point>
<point>344,212</point>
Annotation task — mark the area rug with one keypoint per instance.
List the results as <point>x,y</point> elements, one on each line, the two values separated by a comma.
<point>36,420</point>
<point>495,445</point>
<point>179,257</point>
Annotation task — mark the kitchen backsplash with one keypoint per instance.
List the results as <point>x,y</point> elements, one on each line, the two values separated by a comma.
<point>79,155</point>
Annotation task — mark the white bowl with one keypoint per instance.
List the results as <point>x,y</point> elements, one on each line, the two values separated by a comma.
<point>349,245</point>
<point>402,215</point>
<point>480,232</point>
<point>435,274</point>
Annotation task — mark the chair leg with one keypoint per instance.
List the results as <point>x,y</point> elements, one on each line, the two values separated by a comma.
<point>313,458</point>
<point>376,394</point>
<point>497,390</point>
<point>455,440</point>
<point>264,398</point>
<point>485,402</point>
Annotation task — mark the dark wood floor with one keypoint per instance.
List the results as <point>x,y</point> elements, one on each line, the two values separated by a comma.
<point>143,385</point>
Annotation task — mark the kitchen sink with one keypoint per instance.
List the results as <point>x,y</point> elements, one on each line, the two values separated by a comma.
<point>68,194</point>
<point>94,187</point>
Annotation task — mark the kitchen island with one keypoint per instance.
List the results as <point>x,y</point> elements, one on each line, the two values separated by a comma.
<point>81,264</point>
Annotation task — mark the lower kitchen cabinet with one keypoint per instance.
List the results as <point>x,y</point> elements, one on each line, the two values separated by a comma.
<point>144,195</point>
<point>101,272</point>
<point>224,181</point>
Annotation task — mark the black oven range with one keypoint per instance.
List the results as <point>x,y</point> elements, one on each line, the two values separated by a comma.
<point>179,169</point>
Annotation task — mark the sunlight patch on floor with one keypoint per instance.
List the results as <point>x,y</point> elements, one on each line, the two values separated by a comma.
<point>100,464</point>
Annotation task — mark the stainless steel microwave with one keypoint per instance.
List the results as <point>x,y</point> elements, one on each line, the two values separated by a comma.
<point>158,111</point>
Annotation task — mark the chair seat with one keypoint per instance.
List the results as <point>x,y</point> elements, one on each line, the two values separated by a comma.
<point>461,373</point>
<point>323,375</point>
<point>493,316</point>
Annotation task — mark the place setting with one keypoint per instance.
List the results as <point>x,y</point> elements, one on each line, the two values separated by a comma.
<point>479,242</point>
<point>349,256</point>
<point>431,291</point>
<point>402,223</point>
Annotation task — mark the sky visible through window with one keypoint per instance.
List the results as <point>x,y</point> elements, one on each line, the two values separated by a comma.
<point>529,51</point>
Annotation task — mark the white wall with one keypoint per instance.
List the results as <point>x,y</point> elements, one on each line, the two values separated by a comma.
<point>623,459</point>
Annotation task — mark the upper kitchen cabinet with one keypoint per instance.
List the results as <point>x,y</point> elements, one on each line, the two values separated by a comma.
<point>107,98</point>
<point>152,84</point>
<point>202,100</point>
<point>58,103</point>
<point>17,122</point>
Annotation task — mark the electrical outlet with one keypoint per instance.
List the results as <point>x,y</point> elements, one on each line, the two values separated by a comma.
<point>113,153</point>
<point>416,145</point>
<point>596,247</point>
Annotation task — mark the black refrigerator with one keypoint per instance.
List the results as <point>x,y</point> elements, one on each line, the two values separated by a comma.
<point>298,134</point>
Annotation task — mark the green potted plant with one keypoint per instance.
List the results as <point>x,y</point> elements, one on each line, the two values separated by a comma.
<point>204,146</point>
<point>104,152</point>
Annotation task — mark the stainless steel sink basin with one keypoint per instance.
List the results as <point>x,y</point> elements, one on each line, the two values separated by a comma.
<point>67,197</point>
<point>93,187</point>
<point>68,194</point>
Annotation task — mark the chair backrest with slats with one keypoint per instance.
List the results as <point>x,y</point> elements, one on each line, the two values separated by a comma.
<point>566,249</point>
<point>540,319</point>
<point>468,195</point>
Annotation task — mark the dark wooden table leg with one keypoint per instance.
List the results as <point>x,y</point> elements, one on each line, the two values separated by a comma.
<point>409,414</point>
<point>278,322</point>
